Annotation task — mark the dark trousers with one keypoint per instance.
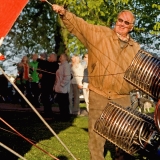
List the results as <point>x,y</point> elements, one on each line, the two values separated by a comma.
<point>97,103</point>
<point>25,89</point>
<point>46,94</point>
<point>63,102</point>
<point>36,92</point>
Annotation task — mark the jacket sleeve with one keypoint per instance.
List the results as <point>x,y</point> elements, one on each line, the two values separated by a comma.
<point>66,76</point>
<point>84,31</point>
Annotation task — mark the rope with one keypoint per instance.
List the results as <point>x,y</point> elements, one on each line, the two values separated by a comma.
<point>46,124</point>
<point>12,151</point>
<point>83,75</point>
<point>27,139</point>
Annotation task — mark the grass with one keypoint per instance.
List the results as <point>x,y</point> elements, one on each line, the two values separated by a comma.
<point>74,134</point>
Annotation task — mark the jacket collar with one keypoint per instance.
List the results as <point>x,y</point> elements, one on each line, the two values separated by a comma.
<point>115,37</point>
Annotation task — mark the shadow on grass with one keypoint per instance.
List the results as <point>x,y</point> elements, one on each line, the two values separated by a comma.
<point>29,125</point>
<point>61,157</point>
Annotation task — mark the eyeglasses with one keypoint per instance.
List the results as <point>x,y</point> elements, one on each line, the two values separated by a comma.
<point>125,22</point>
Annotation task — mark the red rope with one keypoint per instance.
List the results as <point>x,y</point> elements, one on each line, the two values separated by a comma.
<point>28,140</point>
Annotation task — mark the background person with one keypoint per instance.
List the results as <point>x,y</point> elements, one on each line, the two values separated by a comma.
<point>42,60</point>
<point>62,86</point>
<point>85,82</point>
<point>76,83</point>
<point>110,52</point>
<point>47,82</point>
<point>22,81</point>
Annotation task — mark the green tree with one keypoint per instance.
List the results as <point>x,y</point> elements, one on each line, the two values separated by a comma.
<point>39,29</point>
<point>104,12</point>
<point>36,30</point>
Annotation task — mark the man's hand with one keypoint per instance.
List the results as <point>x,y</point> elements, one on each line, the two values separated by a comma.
<point>59,9</point>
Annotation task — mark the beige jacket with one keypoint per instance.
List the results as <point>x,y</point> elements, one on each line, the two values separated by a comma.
<point>107,60</point>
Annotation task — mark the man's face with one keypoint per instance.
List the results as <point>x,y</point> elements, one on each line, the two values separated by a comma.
<point>51,58</point>
<point>73,59</point>
<point>24,59</point>
<point>34,57</point>
<point>62,58</point>
<point>124,23</point>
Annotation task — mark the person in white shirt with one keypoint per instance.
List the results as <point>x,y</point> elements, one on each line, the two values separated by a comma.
<point>85,82</point>
<point>76,81</point>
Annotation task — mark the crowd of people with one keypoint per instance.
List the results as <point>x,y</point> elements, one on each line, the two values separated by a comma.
<point>44,79</point>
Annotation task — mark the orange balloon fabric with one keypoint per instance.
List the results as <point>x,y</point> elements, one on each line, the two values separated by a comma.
<point>9,11</point>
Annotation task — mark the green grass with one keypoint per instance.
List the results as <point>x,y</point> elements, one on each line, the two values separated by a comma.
<point>151,110</point>
<point>74,134</point>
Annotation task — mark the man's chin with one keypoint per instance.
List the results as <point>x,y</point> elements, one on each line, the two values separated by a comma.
<point>120,32</point>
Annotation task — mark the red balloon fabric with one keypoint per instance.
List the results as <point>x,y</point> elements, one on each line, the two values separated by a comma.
<point>9,11</point>
<point>2,57</point>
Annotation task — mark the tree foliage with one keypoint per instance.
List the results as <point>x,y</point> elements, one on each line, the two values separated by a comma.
<point>36,30</point>
<point>39,29</point>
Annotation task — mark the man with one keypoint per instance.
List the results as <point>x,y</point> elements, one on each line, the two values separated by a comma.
<point>41,61</point>
<point>110,52</point>
<point>47,82</point>
<point>3,88</point>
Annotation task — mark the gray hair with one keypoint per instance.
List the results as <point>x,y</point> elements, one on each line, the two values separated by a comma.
<point>134,18</point>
